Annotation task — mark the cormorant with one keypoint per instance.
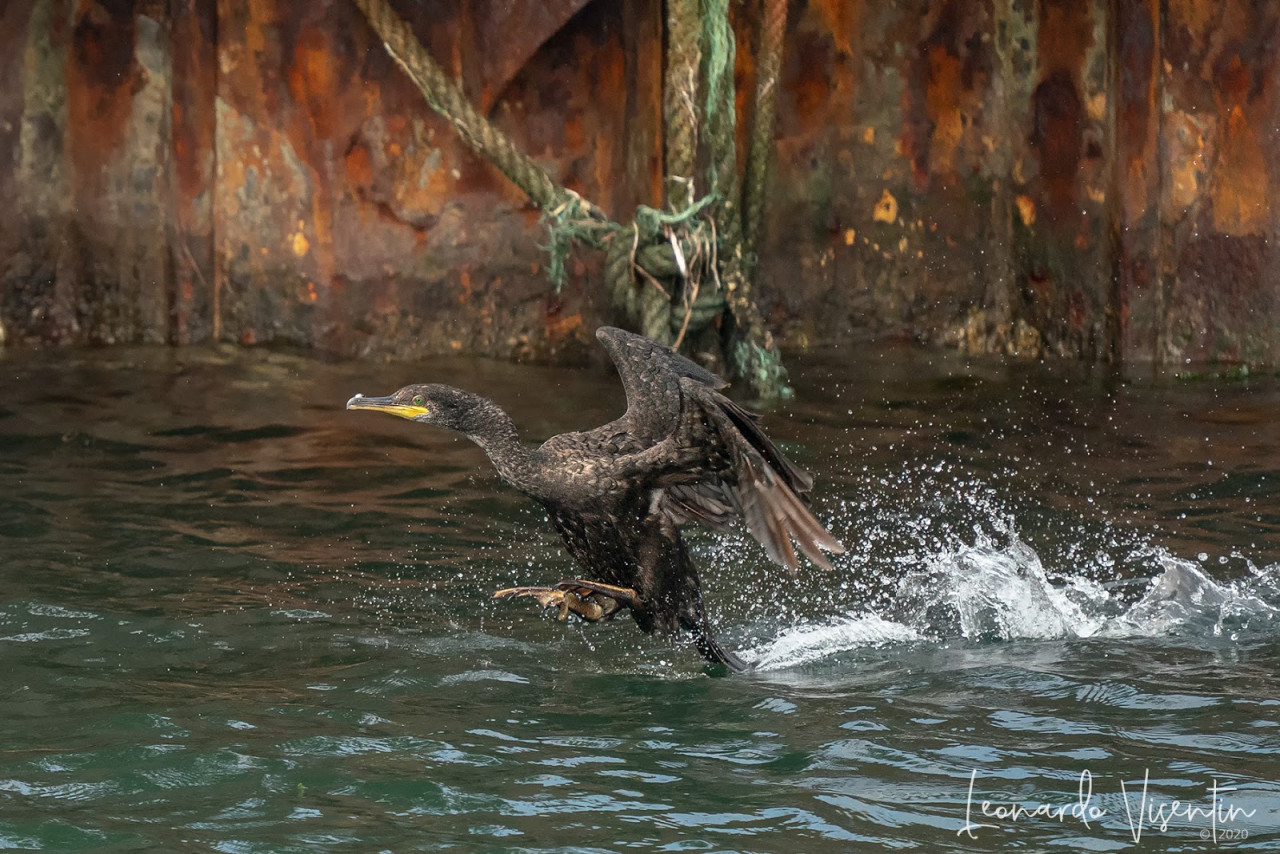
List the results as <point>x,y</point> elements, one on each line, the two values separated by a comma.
<point>618,494</point>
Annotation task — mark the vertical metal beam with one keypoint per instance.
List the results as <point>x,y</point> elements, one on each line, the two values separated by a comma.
<point>192,164</point>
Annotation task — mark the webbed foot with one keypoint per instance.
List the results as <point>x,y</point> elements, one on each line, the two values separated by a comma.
<point>590,600</point>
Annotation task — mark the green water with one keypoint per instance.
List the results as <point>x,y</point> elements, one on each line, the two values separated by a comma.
<point>234,617</point>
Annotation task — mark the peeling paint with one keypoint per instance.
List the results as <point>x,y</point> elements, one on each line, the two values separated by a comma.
<point>886,209</point>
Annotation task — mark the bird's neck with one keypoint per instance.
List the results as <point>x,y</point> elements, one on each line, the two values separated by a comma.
<point>499,440</point>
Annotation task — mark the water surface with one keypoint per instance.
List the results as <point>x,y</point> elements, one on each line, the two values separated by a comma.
<point>235,617</point>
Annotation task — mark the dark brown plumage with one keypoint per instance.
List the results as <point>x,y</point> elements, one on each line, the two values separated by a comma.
<point>682,452</point>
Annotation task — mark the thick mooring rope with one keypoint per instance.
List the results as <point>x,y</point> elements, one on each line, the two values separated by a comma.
<point>722,116</point>
<point>679,102</point>
<point>448,100</point>
<point>758,361</point>
<point>687,247</point>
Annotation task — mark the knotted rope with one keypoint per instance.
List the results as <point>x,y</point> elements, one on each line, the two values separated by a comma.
<point>671,273</point>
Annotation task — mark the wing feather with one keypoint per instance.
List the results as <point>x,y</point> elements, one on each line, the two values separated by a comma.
<point>737,466</point>
<point>708,456</point>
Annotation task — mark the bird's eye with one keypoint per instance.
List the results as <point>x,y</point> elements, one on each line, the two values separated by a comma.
<point>417,400</point>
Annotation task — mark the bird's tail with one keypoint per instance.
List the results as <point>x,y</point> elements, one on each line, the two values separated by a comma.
<point>712,651</point>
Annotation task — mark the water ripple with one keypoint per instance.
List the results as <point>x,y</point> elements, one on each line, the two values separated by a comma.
<point>241,619</point>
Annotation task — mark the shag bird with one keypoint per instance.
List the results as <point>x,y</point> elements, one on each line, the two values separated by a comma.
<point>618,494</point>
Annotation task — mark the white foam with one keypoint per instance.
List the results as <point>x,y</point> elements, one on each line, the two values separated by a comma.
<point>803,644</point>
<point>985,592</point>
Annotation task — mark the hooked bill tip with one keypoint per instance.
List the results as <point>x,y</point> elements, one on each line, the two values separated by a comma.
<point>354,399</point>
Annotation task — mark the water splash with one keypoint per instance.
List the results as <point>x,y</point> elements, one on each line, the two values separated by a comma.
<point>991,591</point>
<point>807,643</point>
<point>988,592</point>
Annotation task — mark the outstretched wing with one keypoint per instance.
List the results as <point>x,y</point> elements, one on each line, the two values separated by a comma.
<point>709,456</point>
<point>745,475</point>
<point>651,375</point>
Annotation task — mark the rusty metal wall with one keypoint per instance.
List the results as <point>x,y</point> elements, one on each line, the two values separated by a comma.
<point>1078,177</point>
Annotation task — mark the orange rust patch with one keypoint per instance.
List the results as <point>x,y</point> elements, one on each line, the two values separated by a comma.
<point>611,73</point>
<point>101,79</point>
<point>841,18</point>
<point>313,81</point>
<point>464,279</point>
<point>359,167</point>
<point>943,98</point>
<point>886,210</point>
<point>1065,34</point>
<point>1239,190</point>
<point>1026,210</point>
<point>810,93</point>
<point>559,326</point>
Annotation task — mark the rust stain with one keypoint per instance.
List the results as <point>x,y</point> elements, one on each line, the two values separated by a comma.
<point>886,209</point>
<point>1188,163</point>
<point>560,326</point>
<point>1059,114</point>
<point>1026,210</point>
<point>1198,17</point>
<point>510,36</point>
<point>322,223</point>
<point>1135,105</point>
<point>841,19</point>
<point>191,166</point>
<point>464,279</point>
<point>944,99</point>
<point>313,80</point>
<point>101,79</point>
<point>359,167</point>
<point>299,244</point>
<point>611,73</point>
<point>1241,181</point>
<point>193,100</point>
<point>810,91</point>
<point>316,69</point>
<point>1065,34</point>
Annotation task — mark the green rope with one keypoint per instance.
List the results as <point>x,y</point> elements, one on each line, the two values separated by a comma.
<point>679,101</point>
<point>751,350</point>
<point>691,302</point>
<point>619,277</point>
<point>761,367</point>
<point>658,305</point>
<point>651,220</point>
<point>568,223</point>
<point>721,113</point>
<point>705,233</point>
<point>448,100</point>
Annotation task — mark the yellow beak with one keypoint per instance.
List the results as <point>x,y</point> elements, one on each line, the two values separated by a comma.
<point>388,405</point>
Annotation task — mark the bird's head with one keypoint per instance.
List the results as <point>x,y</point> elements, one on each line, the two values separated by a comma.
<point>442,405</point>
